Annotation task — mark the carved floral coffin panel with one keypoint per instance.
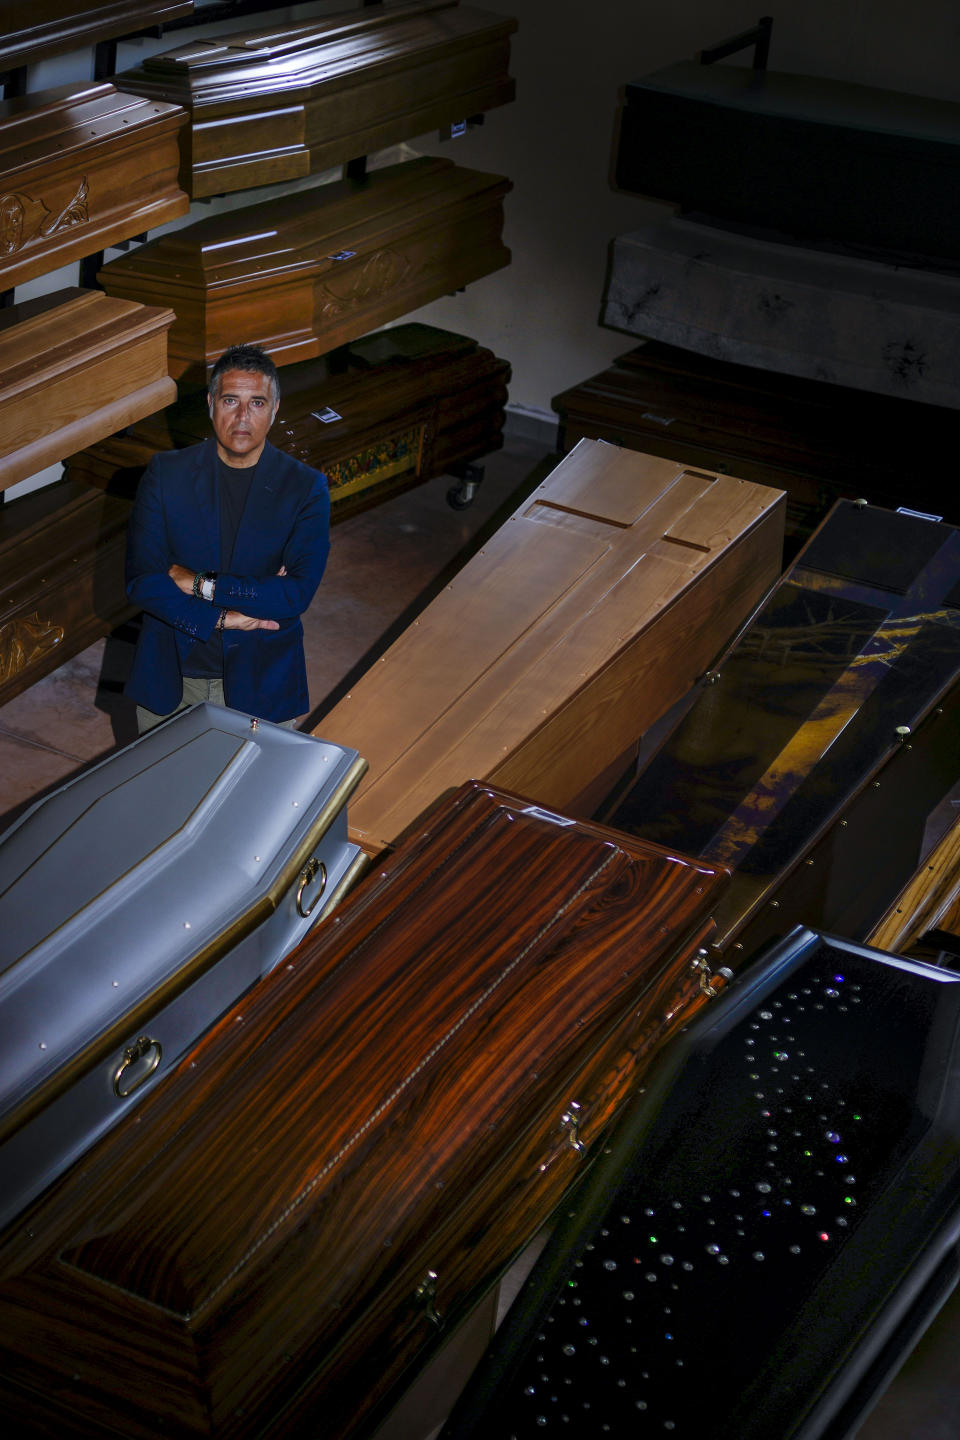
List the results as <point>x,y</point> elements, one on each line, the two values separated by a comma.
<point>577,625</point>
<point>81,167</point>
<point>307,272</point>
<point>76,365</point>
<point>286,101</point>
<point>358,1147</point>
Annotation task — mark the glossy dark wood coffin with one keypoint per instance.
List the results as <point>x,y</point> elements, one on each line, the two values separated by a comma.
<point>279,103</point>
<point>307,272</point>
<point>297,1214</point>
<point>82,167</point>
<point>868,167</point>
<point>793,1166</point>
<point>413,401</point>
<point>49,27</point>
<point>819,442</point>
<point>76,365</point>
<point>819,744</point>
<point>61,578</point>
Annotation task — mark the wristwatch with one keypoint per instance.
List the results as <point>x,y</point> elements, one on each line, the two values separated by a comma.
<point>208,584</point>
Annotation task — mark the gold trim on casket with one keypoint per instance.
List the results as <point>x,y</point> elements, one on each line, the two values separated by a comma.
<point>282,102</point>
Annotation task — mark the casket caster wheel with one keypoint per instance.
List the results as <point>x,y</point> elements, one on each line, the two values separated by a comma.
<point>462,495</point>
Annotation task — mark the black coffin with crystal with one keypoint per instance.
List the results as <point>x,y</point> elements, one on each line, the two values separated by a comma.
<point>775,1221</point>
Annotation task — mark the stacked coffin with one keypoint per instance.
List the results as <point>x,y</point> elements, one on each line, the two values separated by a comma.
<point>924,920</point>
<point>289,101</point>
<point>81,167</point>
<point>574,629</point>
<point>48,27</point>
<point>362,1143</point>
<point>827,733</point>
<point>308,272</point>
<point>414,402</point>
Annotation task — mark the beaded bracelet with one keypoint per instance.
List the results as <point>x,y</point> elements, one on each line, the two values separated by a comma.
<point>221,619</point>
<point>197,582</point>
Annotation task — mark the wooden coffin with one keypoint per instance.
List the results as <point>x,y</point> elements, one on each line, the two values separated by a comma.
<point>281,102</point>
<point>358,1148</point>
<point>414,401</point>
<point>81,167</point>
<point>49,27</point>
<point>824,737</point>
<point>794,1166</point>
<point>305,273</point>
<point>122,942</point>
<point>817,441</point>
<point>924,920</point>
<point>578,625</point>
<point>868,167</point>
<point>76,365</point>
<point>61,578</point>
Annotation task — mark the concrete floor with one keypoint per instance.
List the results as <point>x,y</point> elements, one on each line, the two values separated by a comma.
<point>385,564</point>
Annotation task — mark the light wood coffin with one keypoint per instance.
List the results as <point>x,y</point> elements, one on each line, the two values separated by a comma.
<point>76,365</point>
<point>924,919</point>
<point>61,578</point>
<point>825,736</point>
<point>281,102</point>
<point>49,27</point>
<point>305,273</point>
<point>427,399</point>
<point>296,1215</point>
<point>593,609</point>
<point>819,442</point>
<point>82,167</point>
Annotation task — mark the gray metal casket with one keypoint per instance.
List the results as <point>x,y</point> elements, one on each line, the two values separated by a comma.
<point>137,902</point>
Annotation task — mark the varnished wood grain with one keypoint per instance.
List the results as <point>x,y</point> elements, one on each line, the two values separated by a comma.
<point>309,271</point>
<point>229,1262</point>
<point>593,608</point>
<point>49,27</point>
<point>76,366</point>
<point>291,100</point>
<point>436,401</point>
<point>61,578</point>
<point>929,901</point>
<point>82,167</point>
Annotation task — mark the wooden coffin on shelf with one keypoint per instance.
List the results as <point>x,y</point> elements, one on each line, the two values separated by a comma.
<point>414,401</point>
<point>49,27</point>
<point>279,103</point>
<point>82,167</point>
<point>825,736</point>
<point>358,1148</point>
<point>305,273</point>
<point>712,138</point>
<point>579,623</point>
<point>61,578</point>
<point>817,441</point>
<point>141,899</point>
<point>924,920</point>
<point>793,1165</point>
<point>76,365</point>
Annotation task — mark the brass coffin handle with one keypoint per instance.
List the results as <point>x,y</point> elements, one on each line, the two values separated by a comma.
<point>310,871</point>
<point>425,1296</point>
<point>142,1058</point>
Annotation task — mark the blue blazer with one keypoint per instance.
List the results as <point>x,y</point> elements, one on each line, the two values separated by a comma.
<point>176,519</point>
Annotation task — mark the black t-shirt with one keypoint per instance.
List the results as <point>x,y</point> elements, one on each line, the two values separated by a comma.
<point>205,659</point>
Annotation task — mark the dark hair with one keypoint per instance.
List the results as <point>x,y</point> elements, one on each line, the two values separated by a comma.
<point>244,357</point>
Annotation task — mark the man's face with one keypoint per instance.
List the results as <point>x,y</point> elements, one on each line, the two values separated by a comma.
<point>242,414</point>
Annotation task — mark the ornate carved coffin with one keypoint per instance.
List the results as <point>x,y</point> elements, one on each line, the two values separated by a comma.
<point>82,167</point>
<point>817,441</point>
<point>49,27</point>
<point>794,1165</point>
<point>305,273</point>
<point>362,1144</point>
<point>76,365</point>
<point>824,737</point>
<point>61,578</point>
<point>413,402</point>
<point>287,101</point>
<point>576,627</point>
<point>713,138</point>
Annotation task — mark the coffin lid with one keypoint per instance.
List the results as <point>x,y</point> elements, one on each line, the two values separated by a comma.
<point>47,125</point>
<point>113,900</point>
